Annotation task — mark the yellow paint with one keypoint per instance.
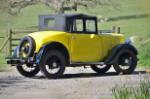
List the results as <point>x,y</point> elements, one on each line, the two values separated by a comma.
<point>92,47</point>
<point>81,47</point>
<point>46,37</point>
<point>23,54</point>
<point>85,47</point>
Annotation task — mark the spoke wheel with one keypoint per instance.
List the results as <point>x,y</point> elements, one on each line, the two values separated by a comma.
<point>101,69</point>
<point>28,70</point>
<point>26,47</point>
<point>126,62</point>
<point>53,64</point>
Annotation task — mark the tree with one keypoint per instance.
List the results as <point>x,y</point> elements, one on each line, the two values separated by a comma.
<point>13,7</point>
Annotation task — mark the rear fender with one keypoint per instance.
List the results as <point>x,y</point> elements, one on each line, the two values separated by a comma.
<point>51,46</point>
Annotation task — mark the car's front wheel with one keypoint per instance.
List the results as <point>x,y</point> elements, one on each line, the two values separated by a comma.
<point>101,69</point>
<point>126,62</point>
<point>53,64</point>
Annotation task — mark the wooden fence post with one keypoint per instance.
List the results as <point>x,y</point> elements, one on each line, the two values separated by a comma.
<point>9,41</point>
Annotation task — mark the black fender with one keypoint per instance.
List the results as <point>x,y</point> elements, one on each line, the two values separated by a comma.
<point>111,58</point>
<point>51,46</point>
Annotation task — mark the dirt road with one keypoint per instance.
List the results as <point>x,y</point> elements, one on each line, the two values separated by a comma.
<point>77,83</point>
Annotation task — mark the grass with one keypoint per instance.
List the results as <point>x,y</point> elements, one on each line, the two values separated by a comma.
<point>130,26</point>
<point>3,66</point>
<point>140,92</point>
<point>143,45</point>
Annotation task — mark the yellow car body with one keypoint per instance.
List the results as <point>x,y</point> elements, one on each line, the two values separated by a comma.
<point>81,47</point>
<point>72,40</point>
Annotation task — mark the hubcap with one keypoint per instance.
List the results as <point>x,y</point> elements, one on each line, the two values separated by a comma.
<point>125,61</point>
<point>53,65</point>
<point>25,49</point>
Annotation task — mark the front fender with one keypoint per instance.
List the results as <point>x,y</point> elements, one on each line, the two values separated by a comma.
<point>111,58</point>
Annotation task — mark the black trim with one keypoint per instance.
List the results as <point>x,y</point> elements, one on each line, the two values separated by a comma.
<point>53,46</point>
<point>84,26</point>
<point>63,22</point>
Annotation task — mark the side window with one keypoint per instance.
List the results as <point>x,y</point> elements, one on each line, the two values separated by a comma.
<point>50,22</point>
<point>78,25</point>
<point>90,26</point>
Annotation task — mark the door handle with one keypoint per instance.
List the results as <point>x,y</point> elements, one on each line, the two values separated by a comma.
<point>73,37</point>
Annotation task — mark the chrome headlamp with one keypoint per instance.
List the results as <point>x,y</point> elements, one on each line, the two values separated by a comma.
<point>129,41</point>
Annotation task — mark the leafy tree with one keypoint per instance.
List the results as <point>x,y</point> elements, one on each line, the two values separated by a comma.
<point>13,7</point>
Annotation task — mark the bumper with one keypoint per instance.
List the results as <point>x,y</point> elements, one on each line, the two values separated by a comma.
<point>15,61</point>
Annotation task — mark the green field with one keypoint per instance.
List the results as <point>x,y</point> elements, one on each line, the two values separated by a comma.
<point>131,15</point>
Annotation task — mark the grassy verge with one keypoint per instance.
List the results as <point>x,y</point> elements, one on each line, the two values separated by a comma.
<point>141,92</point>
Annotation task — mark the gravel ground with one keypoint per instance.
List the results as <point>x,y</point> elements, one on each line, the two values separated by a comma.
<point>77,83</point>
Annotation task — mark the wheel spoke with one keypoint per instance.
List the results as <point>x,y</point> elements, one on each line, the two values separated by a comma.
<point>28,69</point>
<point>125,61</point>
<point>53,65</point>
<point>101,69</point>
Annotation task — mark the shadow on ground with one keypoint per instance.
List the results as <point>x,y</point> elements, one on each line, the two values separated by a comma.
<point>89,75</point>
<point>9,81</point>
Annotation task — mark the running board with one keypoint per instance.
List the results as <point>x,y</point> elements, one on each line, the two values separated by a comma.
<point>86,63</point>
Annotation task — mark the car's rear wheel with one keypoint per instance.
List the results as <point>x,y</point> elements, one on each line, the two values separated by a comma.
<point>101,69</point>
<point>126,62</point>
<point>28,70</point>
<point>53,64</point>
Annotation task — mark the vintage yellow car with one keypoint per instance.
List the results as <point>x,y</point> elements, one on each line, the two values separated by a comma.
<point>72,40</point>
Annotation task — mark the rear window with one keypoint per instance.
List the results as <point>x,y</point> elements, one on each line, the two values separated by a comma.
<point>50,22</point>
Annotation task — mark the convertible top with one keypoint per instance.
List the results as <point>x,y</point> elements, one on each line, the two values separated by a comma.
<point>61,22</point>
<point>76,16</point>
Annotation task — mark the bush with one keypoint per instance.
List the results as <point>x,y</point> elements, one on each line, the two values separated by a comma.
<point>143,45</point>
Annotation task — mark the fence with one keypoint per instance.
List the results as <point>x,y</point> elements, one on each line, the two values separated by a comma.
<point>14,36</point>
<point>12,39</point>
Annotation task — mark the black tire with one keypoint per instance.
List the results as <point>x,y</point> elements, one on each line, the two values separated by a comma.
<point>51,58</point>
<point>100,70</point>
<point>31,72</point>
<point>126,58</point>
<point>27,49</point>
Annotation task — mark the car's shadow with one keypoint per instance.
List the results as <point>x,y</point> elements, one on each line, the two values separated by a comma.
<point>89,75</point>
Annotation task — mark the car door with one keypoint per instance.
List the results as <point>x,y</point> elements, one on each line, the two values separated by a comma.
<point>85,43</point>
